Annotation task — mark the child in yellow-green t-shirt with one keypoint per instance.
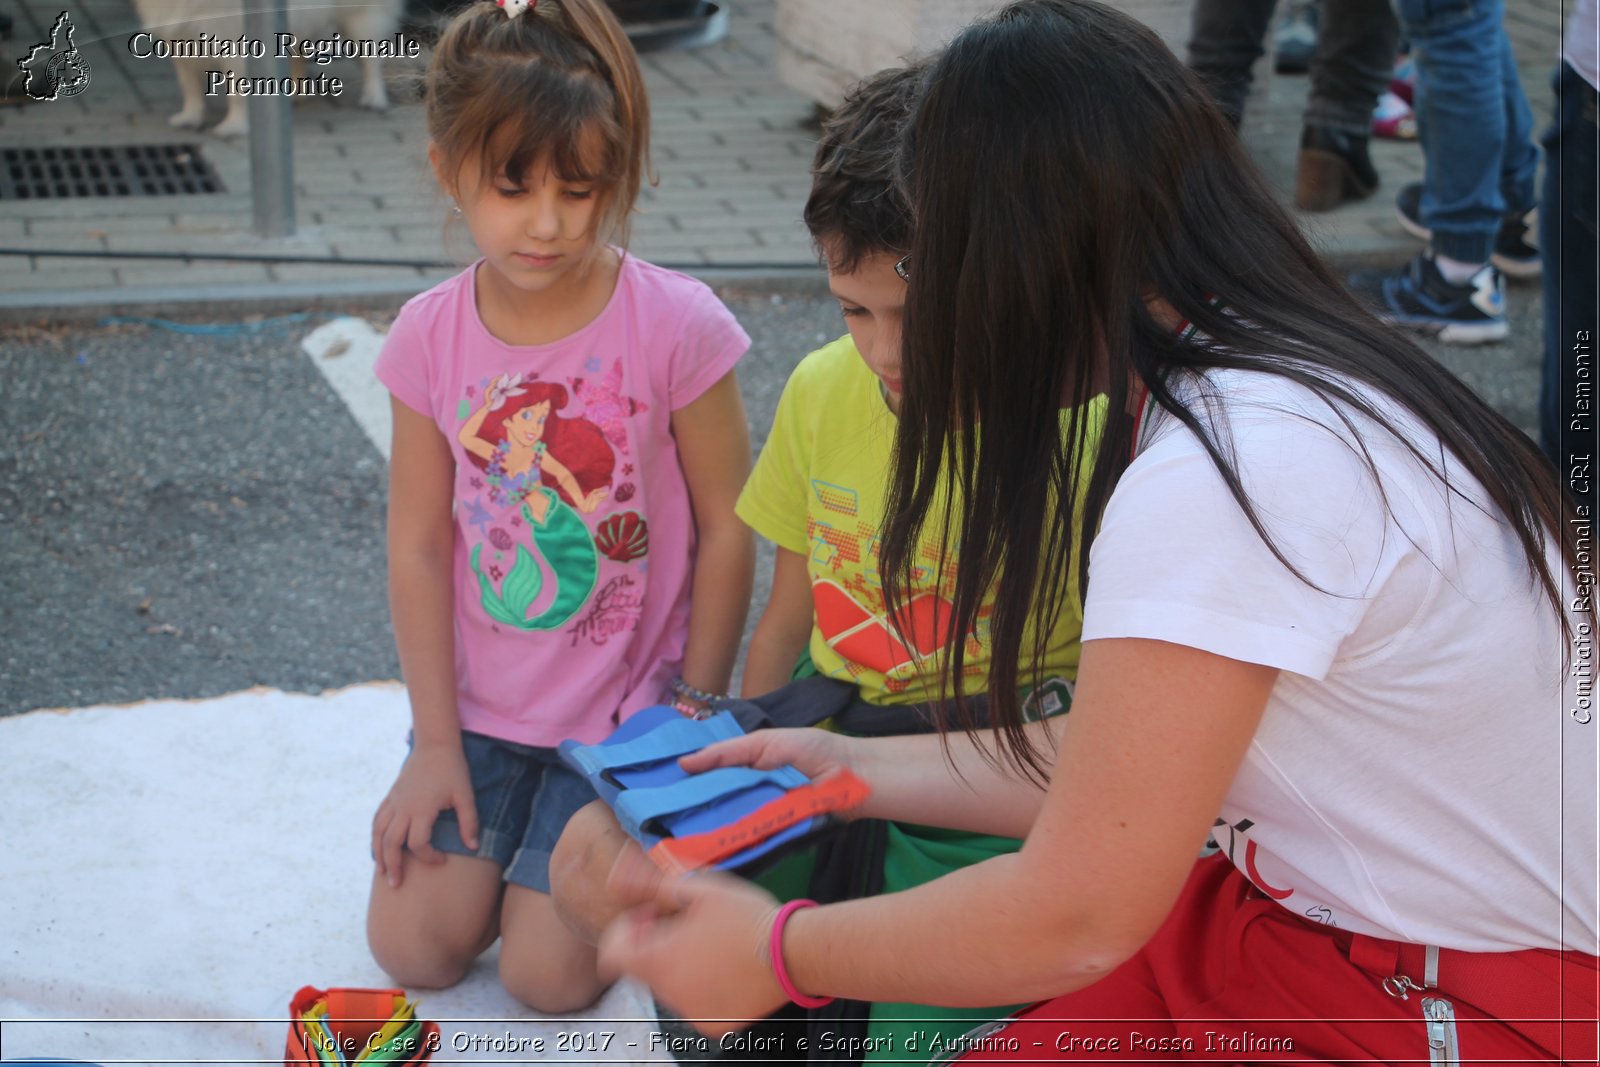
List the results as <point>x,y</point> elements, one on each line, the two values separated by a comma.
<point>818,493</point>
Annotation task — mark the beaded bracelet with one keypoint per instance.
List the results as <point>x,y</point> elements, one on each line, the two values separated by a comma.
<point>689,710</point>
<point>775,951</point>
<point>684,691</point>
<point>686,700</point>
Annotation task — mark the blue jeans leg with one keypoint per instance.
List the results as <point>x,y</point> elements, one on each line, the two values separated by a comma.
<point>1519,163</point>
<point>1473,120</point>
<point>1570,247</point>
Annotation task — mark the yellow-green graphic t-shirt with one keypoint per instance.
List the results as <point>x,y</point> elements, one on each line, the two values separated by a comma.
<point>818,490</point>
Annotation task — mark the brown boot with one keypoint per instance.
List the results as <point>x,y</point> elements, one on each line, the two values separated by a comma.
<point>1334,167</point>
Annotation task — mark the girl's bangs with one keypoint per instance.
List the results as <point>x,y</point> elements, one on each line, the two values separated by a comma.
<point>579,141</point>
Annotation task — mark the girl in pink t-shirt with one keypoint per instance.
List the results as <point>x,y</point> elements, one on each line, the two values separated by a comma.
<point>568,445</point>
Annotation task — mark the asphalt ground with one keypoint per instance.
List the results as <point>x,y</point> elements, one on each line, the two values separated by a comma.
<point>183,515</point>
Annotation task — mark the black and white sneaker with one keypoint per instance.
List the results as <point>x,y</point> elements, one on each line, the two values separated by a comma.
<point>1418,297</point>
<point>1516,247</point>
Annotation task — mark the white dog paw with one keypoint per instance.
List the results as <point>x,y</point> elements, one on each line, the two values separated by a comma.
<point>232,126</point>
<point>375,99</point>
<point>186,119</point>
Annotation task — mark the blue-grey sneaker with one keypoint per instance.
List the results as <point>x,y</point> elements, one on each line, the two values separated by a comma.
<point>1418,297</point>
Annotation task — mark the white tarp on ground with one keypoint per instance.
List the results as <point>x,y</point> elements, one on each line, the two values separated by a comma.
<point>186,866</point>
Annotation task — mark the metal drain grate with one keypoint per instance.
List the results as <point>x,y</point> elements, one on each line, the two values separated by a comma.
<point>105,170</point>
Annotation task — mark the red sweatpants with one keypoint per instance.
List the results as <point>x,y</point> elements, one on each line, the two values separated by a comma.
<point>1234,977</point>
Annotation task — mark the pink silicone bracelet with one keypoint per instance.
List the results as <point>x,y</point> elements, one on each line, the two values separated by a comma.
<point>775,950</point>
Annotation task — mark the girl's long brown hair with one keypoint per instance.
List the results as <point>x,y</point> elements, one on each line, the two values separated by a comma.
<point>1062,166</point>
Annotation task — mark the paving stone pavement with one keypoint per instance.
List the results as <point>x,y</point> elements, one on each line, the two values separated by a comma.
<point>731,148</point>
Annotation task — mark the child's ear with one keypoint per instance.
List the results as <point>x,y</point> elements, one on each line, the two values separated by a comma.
<point>436,160</point>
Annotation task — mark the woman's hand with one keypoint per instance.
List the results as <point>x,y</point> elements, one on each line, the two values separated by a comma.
<point>699,943</point>
<point>434,778</point>
<point>815,753</point>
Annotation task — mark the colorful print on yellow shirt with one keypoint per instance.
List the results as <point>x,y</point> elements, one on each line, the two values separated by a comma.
<point>851,615</point>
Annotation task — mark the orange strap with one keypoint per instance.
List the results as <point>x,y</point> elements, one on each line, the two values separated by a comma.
<point>354,1015</point>
<point>364,1004</point>
<point>837,792</point>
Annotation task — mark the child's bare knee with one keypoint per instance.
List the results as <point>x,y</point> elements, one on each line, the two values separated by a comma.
<point>579,866</point>
<point>428,932</point>
<point>542,963</point>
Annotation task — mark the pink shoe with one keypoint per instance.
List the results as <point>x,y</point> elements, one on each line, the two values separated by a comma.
<point>1404,82</point>
<point>1393,119</point>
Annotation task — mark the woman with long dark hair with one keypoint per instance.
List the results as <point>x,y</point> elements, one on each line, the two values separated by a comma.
<point>1337,618</point>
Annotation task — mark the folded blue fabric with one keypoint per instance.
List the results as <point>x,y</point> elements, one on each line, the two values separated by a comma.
<point>636,772</point>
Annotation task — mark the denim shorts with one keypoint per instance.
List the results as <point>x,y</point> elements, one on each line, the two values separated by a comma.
<point>525,795</point>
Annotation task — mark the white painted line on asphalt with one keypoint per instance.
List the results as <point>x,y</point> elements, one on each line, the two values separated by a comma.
<point>344,350</point>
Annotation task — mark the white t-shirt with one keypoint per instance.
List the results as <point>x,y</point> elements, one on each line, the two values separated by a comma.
<point>1418,774</point>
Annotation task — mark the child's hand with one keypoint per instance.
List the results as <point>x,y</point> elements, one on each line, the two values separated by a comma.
<point>433,779</point>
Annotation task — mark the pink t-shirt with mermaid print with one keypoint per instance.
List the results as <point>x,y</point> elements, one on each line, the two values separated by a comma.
<point>574,533</point>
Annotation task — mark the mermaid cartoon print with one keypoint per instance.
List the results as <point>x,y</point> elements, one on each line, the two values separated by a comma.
<point>548,469</point>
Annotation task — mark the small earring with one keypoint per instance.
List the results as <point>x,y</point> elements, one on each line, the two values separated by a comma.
<point>455,208</point>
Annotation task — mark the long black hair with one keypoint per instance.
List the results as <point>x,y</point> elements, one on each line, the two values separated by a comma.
<point>1063,168</point>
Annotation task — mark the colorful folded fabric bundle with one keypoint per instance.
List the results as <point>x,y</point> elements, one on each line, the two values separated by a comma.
<point>344,1027</point>
<point>732,818</point>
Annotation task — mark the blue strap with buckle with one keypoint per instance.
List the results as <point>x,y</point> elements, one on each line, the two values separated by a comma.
<point>636,808</point>
<point>676,737</point>
<point>636,772</point>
